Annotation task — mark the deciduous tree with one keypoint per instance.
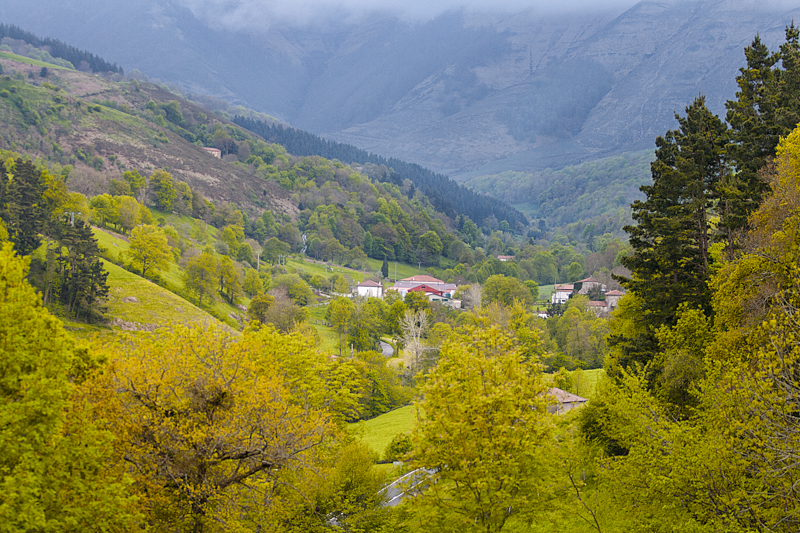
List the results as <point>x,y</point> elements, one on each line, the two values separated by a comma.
<point>149,249</point>
<point>484,434</point>
<point>200,276</point>
<point>55,462</point>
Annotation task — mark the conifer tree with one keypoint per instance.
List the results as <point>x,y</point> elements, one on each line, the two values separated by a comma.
<point>21,205</point>
<point>83,279</point>
<point>672,239</point>
<point>766,108</point>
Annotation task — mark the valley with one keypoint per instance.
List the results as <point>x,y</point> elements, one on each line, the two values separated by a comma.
<point>212,321</point>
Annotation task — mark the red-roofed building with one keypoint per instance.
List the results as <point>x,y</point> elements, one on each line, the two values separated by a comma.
<point>370,289</point>
<point>561,293</point>
<point>612,299</point>
<point>585,285</point>
<point>427,289</point>
<point>599,307</point>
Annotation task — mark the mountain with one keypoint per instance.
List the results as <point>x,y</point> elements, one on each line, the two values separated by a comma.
<point>463,93</point>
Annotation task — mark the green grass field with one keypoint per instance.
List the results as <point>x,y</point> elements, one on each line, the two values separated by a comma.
<point>295,264</point>
<point>153,304</point>
<point>379,432</point>
<point>115,244</point>
<point>586,381</point>
<point>545,291</point>
<point>29,61</point>
<point>329,337</point>
<point>403,270</point>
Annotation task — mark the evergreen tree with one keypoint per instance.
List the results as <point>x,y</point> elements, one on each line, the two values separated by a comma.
<point>83,279</point>
<point>22,207</point>
<point>766,108</point>
<point>672,238</point>
<point>385,267</point>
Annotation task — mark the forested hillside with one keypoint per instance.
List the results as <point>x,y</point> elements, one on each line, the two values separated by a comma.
<point>80,59</point>
<point>446,195</point>
<point>582,201</point>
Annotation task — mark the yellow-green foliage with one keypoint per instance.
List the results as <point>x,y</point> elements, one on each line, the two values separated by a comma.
<point>379,431</point>
<point>55,475</point>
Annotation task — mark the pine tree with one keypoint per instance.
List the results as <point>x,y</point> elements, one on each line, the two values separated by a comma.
<point>767,107</point>
<point>385,267</point>
<point>672,239</point>
<point>84,284</point>
<point>22,207</point>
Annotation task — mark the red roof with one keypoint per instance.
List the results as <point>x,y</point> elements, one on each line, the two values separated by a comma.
<point>426,289</point>
<point>565,287</point>
<point>423,278</point>
<point>615,293</point>
<point>596,303</point>
<point>370,283</point>
<point>590,279</point>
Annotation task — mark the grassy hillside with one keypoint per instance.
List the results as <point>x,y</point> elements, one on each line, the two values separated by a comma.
<point>380,431</point>
<point>114,246</point>
<point>102,127</point>
<point>137,303</point>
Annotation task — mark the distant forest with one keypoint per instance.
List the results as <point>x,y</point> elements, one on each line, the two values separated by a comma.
<point>59,49</point>
<point>446,195</point>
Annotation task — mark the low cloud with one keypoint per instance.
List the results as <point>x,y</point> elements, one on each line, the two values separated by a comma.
<point>265,13</point>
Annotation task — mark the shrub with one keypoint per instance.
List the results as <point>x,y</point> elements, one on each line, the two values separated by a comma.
<point>401,444</point>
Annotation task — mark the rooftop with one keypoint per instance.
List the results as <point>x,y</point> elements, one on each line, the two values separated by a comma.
<point>423,278</point>
<point>565,397</point>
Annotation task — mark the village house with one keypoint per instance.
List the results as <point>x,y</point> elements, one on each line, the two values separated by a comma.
<point>563,401</point>
<point>216,152</point>
<point>585,285</point>
<point>435,289</point>
<point>561,293</point>
<point>598,306</point>
<point>505,258</point>
<point>612,299</point>
<point>369,289</point>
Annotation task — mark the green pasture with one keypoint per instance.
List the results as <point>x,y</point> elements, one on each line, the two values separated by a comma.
<point>378,432</point>
<point>134,299</point>
<point>29,61</point>
<point>115,244</point>
<point>328,336</point>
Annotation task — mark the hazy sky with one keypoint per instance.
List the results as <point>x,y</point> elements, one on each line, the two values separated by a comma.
<point>260,12</point>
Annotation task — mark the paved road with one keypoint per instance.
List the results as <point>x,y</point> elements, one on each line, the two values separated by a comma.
<point>405,486</point>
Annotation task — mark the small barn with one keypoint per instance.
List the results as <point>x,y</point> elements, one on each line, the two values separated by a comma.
<point>563,401</point>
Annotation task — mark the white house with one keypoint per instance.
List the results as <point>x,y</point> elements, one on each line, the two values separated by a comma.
<point>561,293</point>
<point>370,289</point>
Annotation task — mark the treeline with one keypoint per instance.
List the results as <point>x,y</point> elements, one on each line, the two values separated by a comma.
<point>61,50</point>
<point>446,195</point>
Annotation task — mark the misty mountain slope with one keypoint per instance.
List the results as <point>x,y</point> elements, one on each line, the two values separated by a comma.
<point>462,93</point>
